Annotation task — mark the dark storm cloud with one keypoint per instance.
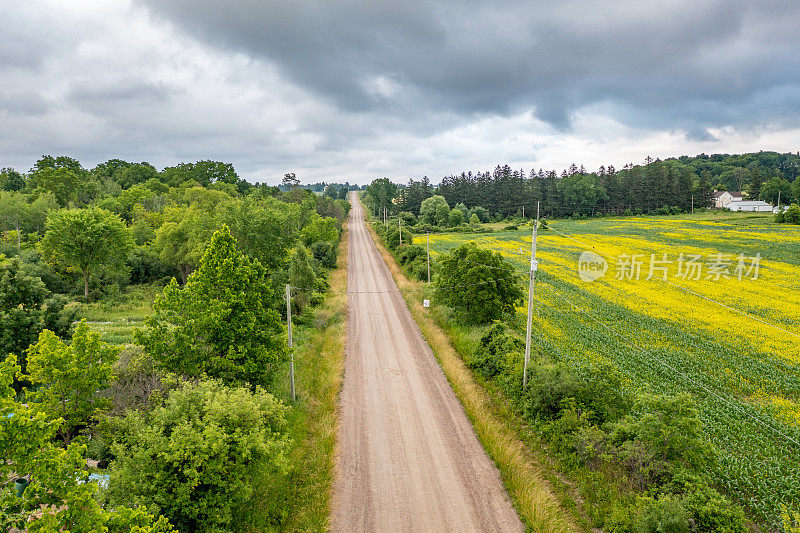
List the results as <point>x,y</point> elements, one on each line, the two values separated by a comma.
<point>686,65</point>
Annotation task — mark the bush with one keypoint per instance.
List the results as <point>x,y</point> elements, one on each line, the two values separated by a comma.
<point>710,510</point>
<point>663,516</point>
<point>497,344</point>
<point>659,436</point>
<point>146,267</point>
<point>392,237</point>
<point>200,457</point>
<point>325,253</point>
<point>408,253</point>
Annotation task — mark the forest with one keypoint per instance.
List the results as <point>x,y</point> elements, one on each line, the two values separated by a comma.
<point>669,186</point>
<point>180,419</point>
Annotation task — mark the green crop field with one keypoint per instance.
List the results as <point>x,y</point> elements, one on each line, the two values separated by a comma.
<point>731,337</point>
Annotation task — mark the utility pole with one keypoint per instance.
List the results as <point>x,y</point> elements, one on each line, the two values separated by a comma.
<point>429,256</point>
<point>532,280</point>
<point>385,222</point>
<point>779,204</point>
<point>693,204</point>
<point>523,212</point>
<point>289,331</point>
<point>400,229</point>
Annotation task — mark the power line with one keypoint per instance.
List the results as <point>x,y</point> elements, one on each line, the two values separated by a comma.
<point>403,290</point>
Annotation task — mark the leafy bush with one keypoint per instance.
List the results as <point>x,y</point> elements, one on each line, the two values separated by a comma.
<point>496,345</point>
<point>26,309</point>
<point>200,457</point>
<point>321,229</point>
<point>663,516</point>
<point>146,267</point>
<point>392,237</point>
<point>661,434</point>
<point>59,496</point>
<point>68,377</point>
<point>325,253</point>
<point>408,253</point>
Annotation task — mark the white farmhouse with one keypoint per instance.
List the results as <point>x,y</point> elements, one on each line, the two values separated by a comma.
<point>723,198</point>
<point>758,206</point>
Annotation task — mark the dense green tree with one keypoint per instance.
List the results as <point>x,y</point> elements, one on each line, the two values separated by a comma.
<point>321,229</point>
<point>202,458</point>
<point>301,276</point>
<point>434,210</point>
<point>379,195</point>
<point>479,284</point>
<point>456,218</point>
<point>684,189</point>
<point>776,188</point>
<point>754,187</point>
<point>86,239</point>
<point>26,308</point>
<point>14,210</point>
<point>263,229</point>
<point>218,323</point>
<point>11,180</point>
<point>204,173</point>
<point>704,193</point>
<point>67,378</point>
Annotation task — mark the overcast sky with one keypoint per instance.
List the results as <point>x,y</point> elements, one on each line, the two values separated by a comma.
<point>362,89</point>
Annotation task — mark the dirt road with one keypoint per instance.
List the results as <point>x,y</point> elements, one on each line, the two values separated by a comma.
<point>408,459</point>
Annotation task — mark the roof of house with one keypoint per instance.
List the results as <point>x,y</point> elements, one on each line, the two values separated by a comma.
<point>718,194</point>
<point>750,202</point>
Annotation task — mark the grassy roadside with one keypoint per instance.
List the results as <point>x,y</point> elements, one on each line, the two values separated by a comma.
<point>527,481</point>
<point>304,497</point>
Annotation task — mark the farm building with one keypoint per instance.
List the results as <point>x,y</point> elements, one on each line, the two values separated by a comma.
<point>750,205</point>
<point>723,198</point>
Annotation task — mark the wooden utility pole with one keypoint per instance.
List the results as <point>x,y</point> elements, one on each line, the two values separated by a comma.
<point>693,204</point>
<point>531,282</point>
<point>428,234</point>
<point>289,331</point>
<point>400,229</point>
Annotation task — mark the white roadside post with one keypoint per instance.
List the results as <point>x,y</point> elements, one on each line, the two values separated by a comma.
<point>531,282</point>
<point>289,331</point>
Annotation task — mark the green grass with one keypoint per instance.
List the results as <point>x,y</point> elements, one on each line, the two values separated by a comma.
<point>115,318</point>
<point>302,500</point>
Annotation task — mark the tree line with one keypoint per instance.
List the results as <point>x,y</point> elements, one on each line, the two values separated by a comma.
<point>184,423</point>
<point>672,185</point>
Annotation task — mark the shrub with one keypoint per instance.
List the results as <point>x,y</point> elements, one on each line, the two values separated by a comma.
<point>69,377</point>
<point>408,253</point>
<point>146,267</point>
<point>393,237</point>
<point>325,253</point>
<point>663,516</point>
<point>199,458</point>
<point>661,434</point>
<point>496,345</point>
